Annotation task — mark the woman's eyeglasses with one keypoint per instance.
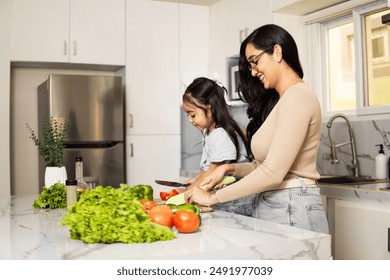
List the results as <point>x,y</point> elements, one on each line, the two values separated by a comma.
<point>255,59</point>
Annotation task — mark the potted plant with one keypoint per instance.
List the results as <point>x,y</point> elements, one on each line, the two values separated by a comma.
<point>51,148</point>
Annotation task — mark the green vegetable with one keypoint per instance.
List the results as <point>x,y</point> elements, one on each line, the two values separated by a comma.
<point>53,197</point>
<point>190,207</point>
<point>178,199</point>
<point>228,180</point>
<point>109,215</point>
<point>138,192</point>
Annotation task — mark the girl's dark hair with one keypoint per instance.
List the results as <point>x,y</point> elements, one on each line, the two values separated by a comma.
<point>203,92</point>
<point>260,100</point>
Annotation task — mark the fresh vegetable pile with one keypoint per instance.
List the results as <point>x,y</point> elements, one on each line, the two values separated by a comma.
<point>186,218</point>
<point>108,215</point>
<point>53,197</point>
<point>138,192</point>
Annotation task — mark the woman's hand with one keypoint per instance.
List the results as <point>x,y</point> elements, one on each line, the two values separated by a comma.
<point>201,197</point>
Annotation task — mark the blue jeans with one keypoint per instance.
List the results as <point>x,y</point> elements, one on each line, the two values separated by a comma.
<point>298,207</point>
<point>242,206</point>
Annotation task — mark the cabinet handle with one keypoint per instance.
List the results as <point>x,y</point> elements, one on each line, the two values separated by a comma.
<point>74,47</point>
<point>130,120</point>
<point>388,239</point>
<point>65,47</point>
<point>131,150</point>
<point>243,34</point>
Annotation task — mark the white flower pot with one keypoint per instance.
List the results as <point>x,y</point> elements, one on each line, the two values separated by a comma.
<point>54,175</point>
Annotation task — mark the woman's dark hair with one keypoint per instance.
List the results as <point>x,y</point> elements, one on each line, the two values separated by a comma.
<point>260,100</point>
<point>203,92</point>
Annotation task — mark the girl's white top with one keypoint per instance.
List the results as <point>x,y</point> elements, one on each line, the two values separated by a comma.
<point>218,147</point>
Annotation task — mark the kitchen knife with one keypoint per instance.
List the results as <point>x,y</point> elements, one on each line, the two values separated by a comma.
<point>171,183</point>
<point>226,181</point>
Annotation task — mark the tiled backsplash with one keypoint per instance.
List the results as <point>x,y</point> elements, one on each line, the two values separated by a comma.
<point>366,135</point>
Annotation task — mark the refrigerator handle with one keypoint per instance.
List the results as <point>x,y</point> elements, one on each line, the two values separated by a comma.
<point>131,150</point>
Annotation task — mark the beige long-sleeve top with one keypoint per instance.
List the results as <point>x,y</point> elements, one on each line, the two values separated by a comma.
<point>284,147</point>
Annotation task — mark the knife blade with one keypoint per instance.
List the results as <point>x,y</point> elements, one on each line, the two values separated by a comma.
<point>171,183</point>
<point>226,181</point>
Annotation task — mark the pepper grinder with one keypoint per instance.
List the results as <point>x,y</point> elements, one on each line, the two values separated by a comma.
<point>71,192</point>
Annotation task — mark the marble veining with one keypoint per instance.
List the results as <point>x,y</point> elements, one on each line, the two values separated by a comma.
<point>374,192</point>
<point>28,233</point>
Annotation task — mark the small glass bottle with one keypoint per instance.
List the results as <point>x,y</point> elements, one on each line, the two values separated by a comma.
<point>71,192</point>
<point>81,185</point>
<point>79,168</point>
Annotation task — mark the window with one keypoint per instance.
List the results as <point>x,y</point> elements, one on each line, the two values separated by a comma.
<point>357,59</point>
<point>377,60</point>
<point>341,65</point>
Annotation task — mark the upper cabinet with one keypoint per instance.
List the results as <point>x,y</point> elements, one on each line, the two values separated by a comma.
<point>231,22</point>
<point>87,31</point>
<point>234,20</point>
<point>152,72</point>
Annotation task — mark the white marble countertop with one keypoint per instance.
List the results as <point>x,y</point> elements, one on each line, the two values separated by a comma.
<point>375,192</point>
<point>34,234</point>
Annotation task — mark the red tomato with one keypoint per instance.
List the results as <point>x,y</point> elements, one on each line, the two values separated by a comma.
<point>186,221</point>
<point>149,204</point>
<point>162,217</point>
<point>172,193</point>
<point>160,208</point>
<point>163,195</point>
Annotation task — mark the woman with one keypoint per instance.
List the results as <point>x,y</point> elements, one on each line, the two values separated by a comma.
<point>283,174</point>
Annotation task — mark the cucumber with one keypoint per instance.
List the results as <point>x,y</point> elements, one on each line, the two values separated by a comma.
<point>228,180</point>
<point>177,199</point>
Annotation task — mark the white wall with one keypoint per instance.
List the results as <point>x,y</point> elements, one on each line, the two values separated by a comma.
<point>5,35</point>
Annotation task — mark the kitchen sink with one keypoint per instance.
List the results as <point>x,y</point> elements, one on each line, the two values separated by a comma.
<point>346,180</point>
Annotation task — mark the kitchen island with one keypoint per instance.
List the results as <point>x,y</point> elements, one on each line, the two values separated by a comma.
<point>35,234</point>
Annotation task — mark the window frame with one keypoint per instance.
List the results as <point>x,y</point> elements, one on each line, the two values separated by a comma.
<point>361,86</point>
<point>317,25</point>
<point>324,61</point>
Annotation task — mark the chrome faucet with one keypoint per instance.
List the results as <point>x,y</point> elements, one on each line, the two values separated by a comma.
<point>333,147</point>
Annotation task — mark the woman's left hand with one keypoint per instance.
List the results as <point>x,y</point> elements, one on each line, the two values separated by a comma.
<point>200,196</point>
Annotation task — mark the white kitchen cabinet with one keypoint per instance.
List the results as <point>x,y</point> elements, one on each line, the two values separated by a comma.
<point>153,97</point>
<point>235,20</point>
<point>231,22</point>
<point>86,31</point>
<point>361,230</point>
<point>152,72</point>
<point>151,157</point>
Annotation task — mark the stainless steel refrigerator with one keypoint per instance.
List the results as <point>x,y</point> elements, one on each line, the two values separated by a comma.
<point>93,107</point>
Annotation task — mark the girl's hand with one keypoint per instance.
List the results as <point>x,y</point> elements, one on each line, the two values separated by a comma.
<point>190,181</point>
<point>212,181</point>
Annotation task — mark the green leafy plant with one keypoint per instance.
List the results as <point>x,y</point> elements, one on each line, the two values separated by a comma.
<point>52,198</point>
<point>51,146</point>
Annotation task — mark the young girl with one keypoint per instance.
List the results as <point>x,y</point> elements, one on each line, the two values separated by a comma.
<point>223,140</point>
